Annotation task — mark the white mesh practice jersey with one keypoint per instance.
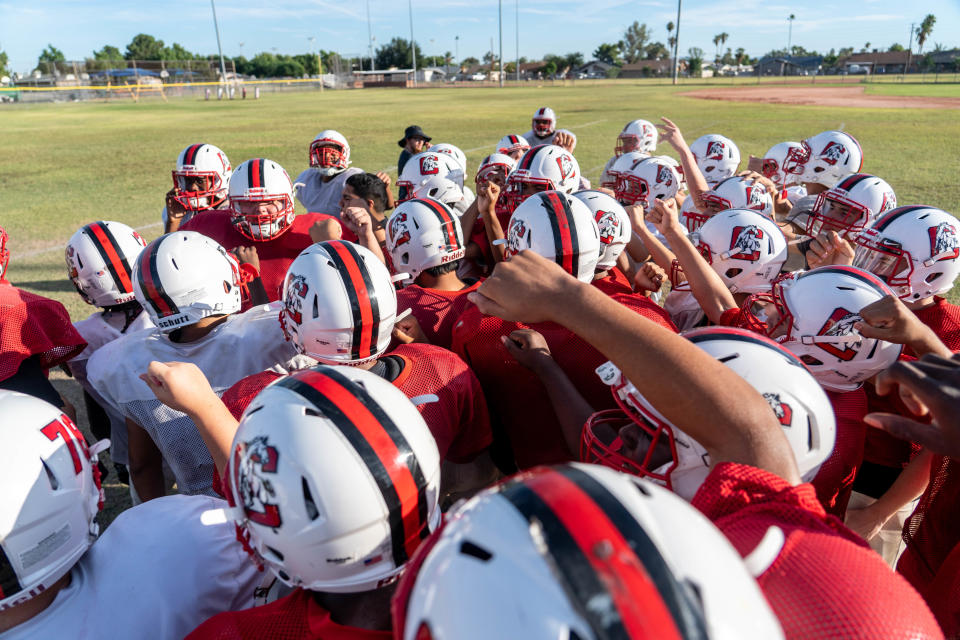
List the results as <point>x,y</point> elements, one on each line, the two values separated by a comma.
<point>534,140</point>
<point>160,570</point>
<point>244,344</point>
<point>319,196</point>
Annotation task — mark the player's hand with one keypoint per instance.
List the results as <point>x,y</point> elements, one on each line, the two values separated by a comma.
<point>384,178</point>
<point>179,385</point>
<point>670,133</point>
<point>636,215</point>
<point>608,191</point>
<point>487,196</point>
<point>408,329</point>
<point>865,522</point>
<point>889,319</point>
<point>527,288</point>
<point>248,255</point>
<point>529,348</point>
<point>174,208</point>
<point>326,229</point>
<point>357,219</point>
<point>565,140</point>
<point>934,383</point>
<point>649,277</point>
<point>829,248</point>
<point>665,218</point>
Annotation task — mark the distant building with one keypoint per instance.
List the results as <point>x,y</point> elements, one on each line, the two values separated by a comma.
<point>650,68</point>
<point>789,65</point>
<point>594,69</point>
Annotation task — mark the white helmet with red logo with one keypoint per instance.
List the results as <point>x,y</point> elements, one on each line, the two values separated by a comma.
<point>646,181</point>
<point>50,499</point>
<point>914,249</point>
<point>454,152</point>
<point>100,259</point>
<point>813,314</point>
<point>424,166</point>
<point>442,190</point>
<point>512,143</point>
<point>578,552</point>
<point>183,277</point>
<point>744,247</point>
<point>496,167</point>
<point>679,462</point>
<point>548,168</point>
<point>612,222</point>
<point>851,205</point>
<point>211,166</point>
<point>739,192</point>
<point>558,227</point>
<point>333,479</point>
<point>691,217</point>
<point>637,135</point>
<point>781,163</point>
<point>828,157</point>
<point>628,160</point>
<point>544,122</point>
<point>329,153</point>
<point>261,199</point>
<point>717,157</point>
<point>422,234</point>
<point>339,304</point>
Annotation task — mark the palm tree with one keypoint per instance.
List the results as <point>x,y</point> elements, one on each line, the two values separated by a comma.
<point>924,30</point>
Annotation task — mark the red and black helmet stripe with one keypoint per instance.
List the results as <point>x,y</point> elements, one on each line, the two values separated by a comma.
<point>255,171</point>
<point>514,139</point>
<point>851,181</point>
<point>381,445</point>
<point>566,244</point>
<point>9,582</point>
<point>112,255</point>
<point>149,278</point>
<point>362,295</point>
<point>603,554</point>
<point>890,216</point>
<point>706,334</point>
<point>528,157</point>
<point>190,155</point>
<point>446,221</point>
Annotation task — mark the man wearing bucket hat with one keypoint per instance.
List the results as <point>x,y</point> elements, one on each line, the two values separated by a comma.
<point>413,142</point>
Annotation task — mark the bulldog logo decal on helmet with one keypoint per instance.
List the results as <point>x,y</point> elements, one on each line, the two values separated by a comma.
<point>715,150</point>
<point>297,289</point>
<point>252,460</point>
<point>944,244</point>
<point>664,175</point>
<point>832,153</point>
<point>839,324</point>
<point>398,229</point>
<point>429,165</point>
<point>566,165</point>
<point>780,409</point>
<point>518,236</point>
<point>745,243</point>
<point>609,224</point>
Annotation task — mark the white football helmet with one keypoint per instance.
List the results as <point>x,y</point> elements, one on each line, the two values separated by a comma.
<point>544,122</point>
<point>513,144</point>
<point>613,223</point>
<point>545,167</point>
<point>813,314</point>
<point>424,166</point>
<point>914,249</point>
<point>333,479</point>
<point>637,135</point>
<point>717,157</point>
<point>184,276</point>
<point>851,205</point>
<point>422,234</point>
<point>744,247</point>
<point>50,499</point>
<point>211,166</point>
<point>496,167</point>
<point>579,552</point>
<point>339,304</point>
<point>733,193</point>
<point>828,157</point>
<point>781,163</point>
<point>330,153</point>
<point>679,462</point>
<point>628,160</point>
<point>442,190</point>
<point>691,217</point>
<point>100,258</point>
<point>454,152</point>
<point>646,181</point>
<point>558,227</point>
<point>261,199</point>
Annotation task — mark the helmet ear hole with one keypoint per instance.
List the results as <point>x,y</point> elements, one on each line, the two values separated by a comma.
<point>54,483</point>
<point>933,276</point>
<point>312,511</point>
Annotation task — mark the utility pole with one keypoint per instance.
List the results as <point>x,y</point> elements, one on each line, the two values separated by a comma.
<point>456,51</point>
<point>500,31</point>
<point>223,67</point>
<point>369,37</point>
<point>909,50</point>
<point>676,46</point>
<point>413,44</point>
<point>790,34</point>
<point>516,7</point>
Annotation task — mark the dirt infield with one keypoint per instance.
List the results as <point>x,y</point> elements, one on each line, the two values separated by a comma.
<point>823,96</point>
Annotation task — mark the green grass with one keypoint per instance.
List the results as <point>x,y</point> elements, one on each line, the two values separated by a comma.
<point>63,165</point>
<point>940,90</point>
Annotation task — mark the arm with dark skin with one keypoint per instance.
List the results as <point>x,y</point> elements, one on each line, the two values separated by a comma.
<point>385,179</point>
<point>487,206</point>
<point>258,293</point>
<point>146,463</point>
<point>741,428</point>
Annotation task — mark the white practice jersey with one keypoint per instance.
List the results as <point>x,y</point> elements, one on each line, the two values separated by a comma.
<point>160,570</point>
<point>244,344</point>
<point>534,140</point>
<point>99,329</point>
<point>318,196</point>
<point>684,310</point>
<point>607,180</point>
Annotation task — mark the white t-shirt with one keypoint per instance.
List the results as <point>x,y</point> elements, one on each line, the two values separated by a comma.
<point>244,344</point>
<point>318,196</point>
<point>161,569</point>
<point>605,177</point>
<point>534,140</point>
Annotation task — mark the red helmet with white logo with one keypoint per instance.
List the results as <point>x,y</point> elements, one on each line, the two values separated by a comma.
<point>851,205</point>
<point>207,167</point>
<point>261,199</point>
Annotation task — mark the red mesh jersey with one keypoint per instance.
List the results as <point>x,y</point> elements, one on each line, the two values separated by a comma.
<point>275,255</point>
<point>944,319</point>
<point>293,617</point>
<point>614,282</point>
<point>825,582</point>
<point>834,480</point>
<point>31,325</point>
<point>435,310</point>
<point>478,236</point>
<point>515,395</point>
<point>459,420</point>
<point>931,561</point>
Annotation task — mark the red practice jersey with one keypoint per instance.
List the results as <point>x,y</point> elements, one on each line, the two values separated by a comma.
<point>931,561</point>
<point>31,325</point>
<point>435,310</point>
<point>825,582</point>
<point>275,255</point>
<point>614,282</point>
<point>458,420</point>
<point>834,480</point>
<point>297,616</point>
<point>515,394</point>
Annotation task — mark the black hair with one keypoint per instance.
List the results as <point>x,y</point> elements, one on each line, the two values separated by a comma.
<point>447,267</point>
<point>369,187</point>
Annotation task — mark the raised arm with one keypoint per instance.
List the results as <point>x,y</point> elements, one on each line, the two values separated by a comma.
<point>696,183</point>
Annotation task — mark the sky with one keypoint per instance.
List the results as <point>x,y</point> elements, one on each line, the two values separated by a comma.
<point>546,26</point>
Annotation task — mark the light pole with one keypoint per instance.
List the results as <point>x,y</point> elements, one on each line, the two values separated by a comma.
<point>372,40</point>
<point>241,49</point>
<point>500,31</point>
<point>456,51</point>
<point>369,37</point>
<point>413,44</point>
<point>790,34</point>
<point>223,67</point>
<point>676,46</point>
<point>516,8</point>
